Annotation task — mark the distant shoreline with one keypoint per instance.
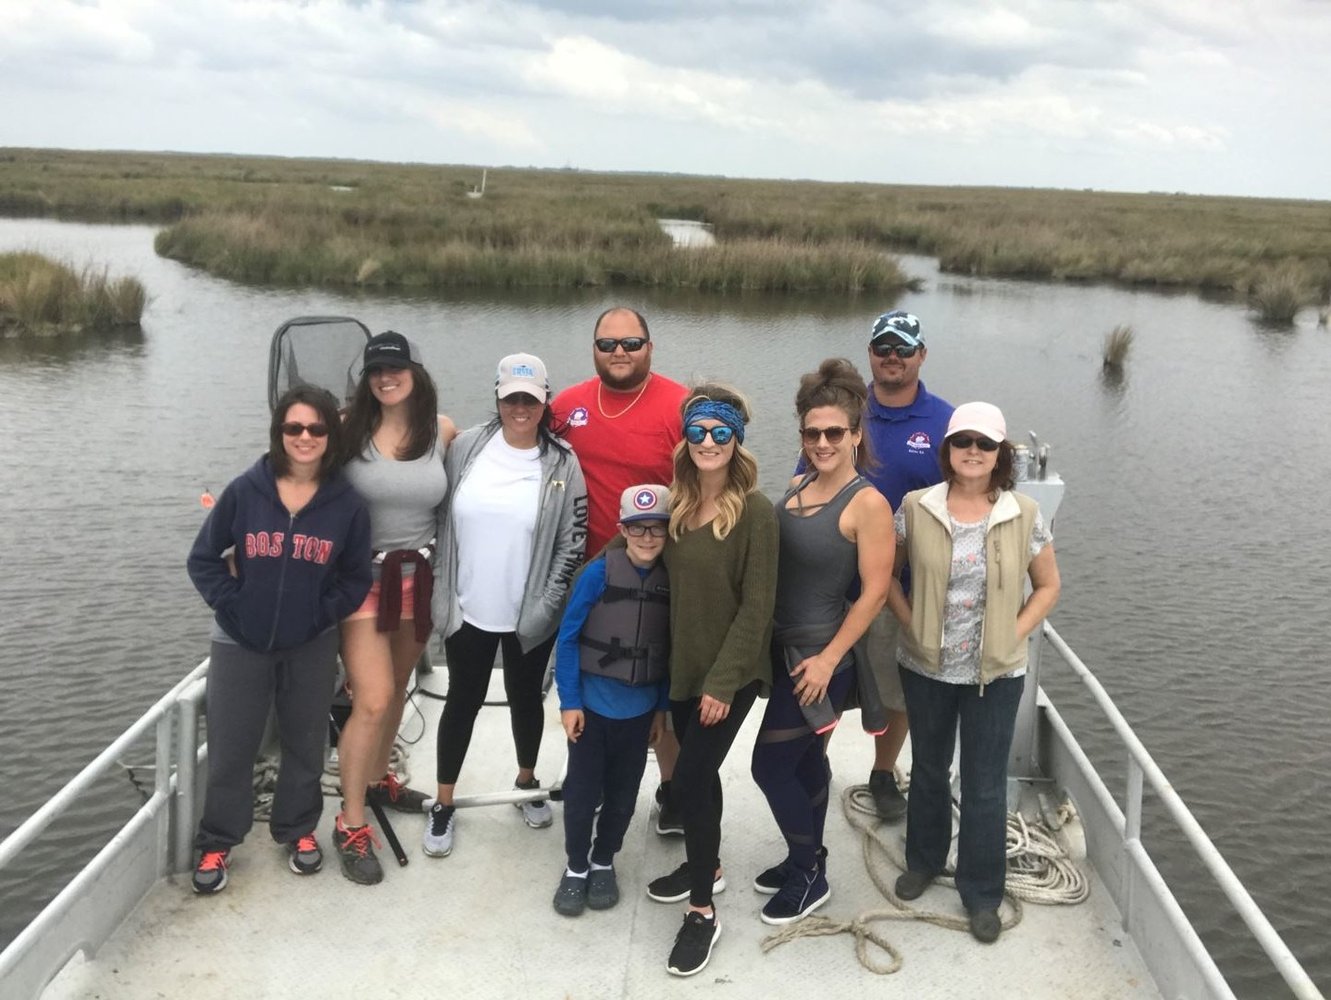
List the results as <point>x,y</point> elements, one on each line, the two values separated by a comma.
<point>350,223</point>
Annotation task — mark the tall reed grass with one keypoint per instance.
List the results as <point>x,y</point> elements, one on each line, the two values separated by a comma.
<point>39,295</point>
<point>1278,294</point>
<point>1117,344</point>
<point>289,221</point>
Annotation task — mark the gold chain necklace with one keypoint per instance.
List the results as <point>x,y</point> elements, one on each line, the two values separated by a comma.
<point>634,402</point>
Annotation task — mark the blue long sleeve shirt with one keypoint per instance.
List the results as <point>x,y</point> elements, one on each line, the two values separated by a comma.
<point>603,695</point>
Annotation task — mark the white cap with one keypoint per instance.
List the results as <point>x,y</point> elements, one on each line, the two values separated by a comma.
<point>983,418</point>
<point>522,373</point>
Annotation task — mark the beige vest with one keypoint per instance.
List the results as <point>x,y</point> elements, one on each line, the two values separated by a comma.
<point>1007,552</point>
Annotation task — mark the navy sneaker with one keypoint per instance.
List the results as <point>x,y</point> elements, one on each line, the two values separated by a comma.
<point>803,893</point>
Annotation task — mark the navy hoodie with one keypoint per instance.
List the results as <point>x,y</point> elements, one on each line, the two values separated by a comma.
<point>298,574</point>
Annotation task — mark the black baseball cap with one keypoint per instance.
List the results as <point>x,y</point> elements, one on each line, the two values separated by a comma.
<point>389,350</point>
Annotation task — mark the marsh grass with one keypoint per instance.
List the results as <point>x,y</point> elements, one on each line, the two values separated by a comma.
<point>271,220</point>
<point>1117,344</point>
<point>39,295</point>
<point>1278,294</point>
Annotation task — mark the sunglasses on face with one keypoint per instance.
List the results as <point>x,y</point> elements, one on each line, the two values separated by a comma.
<point>607,345</point>
<point>697,433</point>
<point>521,399</point>
<point>900,350</point>
<point>292,429</point>
<point>964,441</point>
<point>833,434</point>
<point>656,529</point>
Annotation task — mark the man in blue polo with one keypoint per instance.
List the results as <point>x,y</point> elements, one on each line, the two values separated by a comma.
<point>905,424</point>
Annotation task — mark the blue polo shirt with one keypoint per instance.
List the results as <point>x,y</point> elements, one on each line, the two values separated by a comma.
<point>905,441</point>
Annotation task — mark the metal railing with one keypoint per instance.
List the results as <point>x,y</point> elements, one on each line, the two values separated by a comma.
<point>155,841</point>
<point>1142,771</point>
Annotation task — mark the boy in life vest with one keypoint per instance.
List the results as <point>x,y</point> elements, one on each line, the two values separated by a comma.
<point>610,670</point>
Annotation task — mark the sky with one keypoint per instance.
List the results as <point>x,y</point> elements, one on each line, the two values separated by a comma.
<point>1200,96</point>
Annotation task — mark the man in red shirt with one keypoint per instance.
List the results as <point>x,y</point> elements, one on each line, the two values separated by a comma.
<point>623,425</point>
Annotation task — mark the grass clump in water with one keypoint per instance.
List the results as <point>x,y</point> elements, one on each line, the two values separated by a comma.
<point>42,296</point>
<point>1278,294</point>
<point>1117,344</point>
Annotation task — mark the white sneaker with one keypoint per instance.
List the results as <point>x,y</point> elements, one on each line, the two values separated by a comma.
<point>438,839</point>
<point>537,814</point>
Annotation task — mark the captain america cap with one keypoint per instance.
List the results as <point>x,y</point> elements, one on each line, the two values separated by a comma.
<point>903,325</point>
<point>647,502</point>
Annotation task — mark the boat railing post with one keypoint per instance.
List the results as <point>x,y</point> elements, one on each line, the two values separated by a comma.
<point>187,756</point>
<point>1132,831</point>
<point>162,791</point>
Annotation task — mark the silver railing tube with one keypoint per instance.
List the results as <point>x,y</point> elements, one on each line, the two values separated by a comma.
<point>59,803</point>
<point>1281,957</point>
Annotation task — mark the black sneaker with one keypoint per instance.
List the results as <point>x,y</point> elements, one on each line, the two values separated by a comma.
<point>985,926</point>
<point>304,856</point>
<point>911,885</point>
<point>389,793</point>
<point>674,888</point>
<point>571,896</point>
<point>210,874</point>
<point>355,847</point>
<point>668,823</point>
<point>803,893</point>
<point>602,889</point>
<point>887,798</point>
<point>693,944</point>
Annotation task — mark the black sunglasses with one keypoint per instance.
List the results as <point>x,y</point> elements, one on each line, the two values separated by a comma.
<point>900,350</point>
<point>833,434</point>
<point>292,429</point>
<point>964,441</point>
<point>607,345</point>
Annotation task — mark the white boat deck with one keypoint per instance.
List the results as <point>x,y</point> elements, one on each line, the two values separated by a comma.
<point>480,922</point>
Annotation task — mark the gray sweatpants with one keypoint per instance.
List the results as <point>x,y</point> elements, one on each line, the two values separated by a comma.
<point>242,686</point>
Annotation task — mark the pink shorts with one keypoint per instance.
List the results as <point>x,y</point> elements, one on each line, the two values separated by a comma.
<point>370,609</point>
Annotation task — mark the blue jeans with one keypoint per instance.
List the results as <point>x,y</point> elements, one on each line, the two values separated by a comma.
<point>934,709</point>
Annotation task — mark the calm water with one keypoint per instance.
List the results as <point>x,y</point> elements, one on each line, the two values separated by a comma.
<point>1195,565</point>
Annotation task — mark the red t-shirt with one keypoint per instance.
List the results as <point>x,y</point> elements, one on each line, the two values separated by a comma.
<point>632,445</point>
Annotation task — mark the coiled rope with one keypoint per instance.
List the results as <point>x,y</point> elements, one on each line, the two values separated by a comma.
<point>1039,871</point>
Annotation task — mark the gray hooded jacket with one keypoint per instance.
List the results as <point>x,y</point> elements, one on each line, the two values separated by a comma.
<point>557,545</point>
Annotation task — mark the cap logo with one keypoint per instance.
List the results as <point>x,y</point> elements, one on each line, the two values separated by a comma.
<point>523,371</point>
<point>387,347</point>
<point>644,500</point>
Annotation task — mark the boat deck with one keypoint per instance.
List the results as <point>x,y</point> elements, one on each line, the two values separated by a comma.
<point>481,920</point>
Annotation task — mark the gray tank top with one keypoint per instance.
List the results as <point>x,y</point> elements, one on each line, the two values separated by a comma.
<point>817,563</point>
<point>402,497</point>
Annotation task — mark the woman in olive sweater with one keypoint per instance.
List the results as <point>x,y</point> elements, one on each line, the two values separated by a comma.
<point>721,556</point>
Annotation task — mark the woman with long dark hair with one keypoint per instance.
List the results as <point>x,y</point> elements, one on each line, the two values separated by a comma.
<point>971,543</point>
<point>517,525</point>
<point>282,558</point>
<point>395,442</point>
<point>721,557</point>
<point>834,527</point>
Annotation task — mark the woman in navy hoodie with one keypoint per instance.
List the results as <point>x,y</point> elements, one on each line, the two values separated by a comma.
<point>298,563</point>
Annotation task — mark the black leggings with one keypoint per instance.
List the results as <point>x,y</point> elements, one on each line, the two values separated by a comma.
<point>696,787</point>
<point>471,656</point>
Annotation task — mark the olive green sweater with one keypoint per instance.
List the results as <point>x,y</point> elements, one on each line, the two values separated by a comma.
<point>722,594</point>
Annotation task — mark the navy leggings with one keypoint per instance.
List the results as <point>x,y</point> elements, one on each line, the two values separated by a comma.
<point>471,657</point>
<point>696,787</point>
<point>790,763</point>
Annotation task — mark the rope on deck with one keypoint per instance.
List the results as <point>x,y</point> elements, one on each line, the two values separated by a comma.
<point>1039,871</point>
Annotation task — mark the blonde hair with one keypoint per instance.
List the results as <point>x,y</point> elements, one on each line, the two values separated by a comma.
<point>741,475</point>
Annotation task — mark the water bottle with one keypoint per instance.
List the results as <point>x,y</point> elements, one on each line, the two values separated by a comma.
<point>1021,463</point>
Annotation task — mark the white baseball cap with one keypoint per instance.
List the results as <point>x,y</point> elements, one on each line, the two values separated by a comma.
<point>522,373</point>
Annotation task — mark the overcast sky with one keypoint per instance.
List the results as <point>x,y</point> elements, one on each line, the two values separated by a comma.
<point>1205,96</point>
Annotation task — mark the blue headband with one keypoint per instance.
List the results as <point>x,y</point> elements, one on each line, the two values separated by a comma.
<point>724,412</point>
